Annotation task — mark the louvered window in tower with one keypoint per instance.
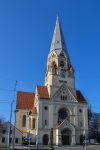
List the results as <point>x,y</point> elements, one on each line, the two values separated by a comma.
<point>62,64</point>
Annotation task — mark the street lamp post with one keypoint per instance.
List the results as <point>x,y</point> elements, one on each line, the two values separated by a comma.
<point>84,132</point>
<point>29,141</point>
<point>29,127</point>
<point>14,129</point>
<point>37,128</point>
<point>84,139</point>
<point>51,139</point>
<point>37,134</point>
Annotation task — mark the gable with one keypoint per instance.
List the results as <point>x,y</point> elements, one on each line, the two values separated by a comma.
<point>64,94</point>
<point>66,124</point>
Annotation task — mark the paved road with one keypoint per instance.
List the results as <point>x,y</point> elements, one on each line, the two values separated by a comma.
<point>91,147</point>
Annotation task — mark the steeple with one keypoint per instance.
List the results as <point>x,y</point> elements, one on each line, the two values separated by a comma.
<point>58,42</point>
<point>59,69</point>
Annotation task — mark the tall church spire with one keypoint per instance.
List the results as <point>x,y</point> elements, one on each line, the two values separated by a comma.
<point>59,68</point>
<point>58,42</point>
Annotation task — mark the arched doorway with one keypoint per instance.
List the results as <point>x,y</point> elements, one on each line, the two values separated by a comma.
<point>45,139</point>
<point>81,139</point>
<point>66,137</point>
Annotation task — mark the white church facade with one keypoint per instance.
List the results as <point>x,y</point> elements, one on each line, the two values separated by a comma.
<point>57,111</point>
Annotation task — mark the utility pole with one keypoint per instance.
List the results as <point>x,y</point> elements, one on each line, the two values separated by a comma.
<point>10,124</point>
<point>15,86</point>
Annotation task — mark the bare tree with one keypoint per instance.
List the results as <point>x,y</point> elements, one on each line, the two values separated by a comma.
<point>93,125</point>
<point>2,120</point>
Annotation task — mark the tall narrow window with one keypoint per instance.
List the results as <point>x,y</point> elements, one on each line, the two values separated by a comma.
<point>45,122</point>
<point>10,140</point>
<point>16,140</point>
<point>4,131</point>
<point>33,123</point>
<point>80,124</point>
<point>29,123</point>
<point>62,64</point>
<point>61,97</point>
<point>24,120</point>
<point>3,140</point>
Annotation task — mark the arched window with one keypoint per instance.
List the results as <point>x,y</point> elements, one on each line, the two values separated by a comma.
<point>55,69</point>
<point>62,64</point>
<point>24,120</point>
<point>45,122</point>
<point>29,123</point>
<point>45,139</point>
<point>63,97</point>
<point>33,123</point>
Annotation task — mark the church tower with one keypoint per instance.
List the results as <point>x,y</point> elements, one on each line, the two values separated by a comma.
<point>59,68</point>
<point>58,108</point>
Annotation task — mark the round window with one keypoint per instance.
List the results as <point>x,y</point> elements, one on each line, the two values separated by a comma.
<point>62,114</point>
<point>45,107</point>
<point>80,110</point>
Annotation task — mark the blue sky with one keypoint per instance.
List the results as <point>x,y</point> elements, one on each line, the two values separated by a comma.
<point>26,28</point>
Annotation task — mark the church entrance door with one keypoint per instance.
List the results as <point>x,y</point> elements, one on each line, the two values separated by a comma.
<point>81,139</point>
<point>66,137</point>
<point>45,139</point>
<point>65,140</point>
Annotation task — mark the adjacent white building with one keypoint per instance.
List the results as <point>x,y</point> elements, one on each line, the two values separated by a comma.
<point>57,110</point>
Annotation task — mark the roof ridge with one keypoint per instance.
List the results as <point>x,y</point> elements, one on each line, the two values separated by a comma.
<point>25,92</point>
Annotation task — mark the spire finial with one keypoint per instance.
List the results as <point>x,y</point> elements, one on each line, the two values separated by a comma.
<point>57,18</point>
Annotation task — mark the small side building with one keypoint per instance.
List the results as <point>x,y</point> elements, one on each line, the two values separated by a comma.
<point>5,138</point>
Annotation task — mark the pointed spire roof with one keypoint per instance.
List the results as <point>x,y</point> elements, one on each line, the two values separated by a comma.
<point>58,42</point>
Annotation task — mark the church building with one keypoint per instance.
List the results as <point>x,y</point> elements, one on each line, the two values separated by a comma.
<point>57,111</point>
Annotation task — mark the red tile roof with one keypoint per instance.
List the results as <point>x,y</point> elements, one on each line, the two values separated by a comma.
<point>80,97</point>
<point>25,100</point>
<point>43,92</point>
<point>34,110</point>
